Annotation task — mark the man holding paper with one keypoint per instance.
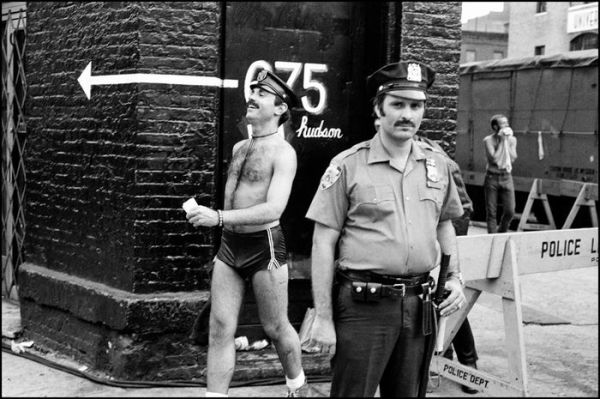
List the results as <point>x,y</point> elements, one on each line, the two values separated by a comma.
<point>259,182</point>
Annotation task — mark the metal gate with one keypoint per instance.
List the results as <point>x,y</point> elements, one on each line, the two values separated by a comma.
<point>13,143</point>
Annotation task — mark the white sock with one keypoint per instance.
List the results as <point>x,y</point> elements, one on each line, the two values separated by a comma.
<point>295,383</point>
<point>216,395</point>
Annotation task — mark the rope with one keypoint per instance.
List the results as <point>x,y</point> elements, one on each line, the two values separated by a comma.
<point>201,382</point>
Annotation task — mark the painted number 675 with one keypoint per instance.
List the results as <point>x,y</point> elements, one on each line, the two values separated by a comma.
<point>295,68</point>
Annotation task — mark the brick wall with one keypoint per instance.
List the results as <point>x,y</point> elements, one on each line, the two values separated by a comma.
<point>80,156</point>
<point>107,176</point>
<point>430,33</point>
<point>176,144</point>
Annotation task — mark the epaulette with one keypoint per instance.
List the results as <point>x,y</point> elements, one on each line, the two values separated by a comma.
<point>350,151</point>
<point>427,145</point>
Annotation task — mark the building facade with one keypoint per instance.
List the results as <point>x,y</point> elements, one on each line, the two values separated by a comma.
<point>552,27</point>
<point>113,275</point>
<point>485,37</point>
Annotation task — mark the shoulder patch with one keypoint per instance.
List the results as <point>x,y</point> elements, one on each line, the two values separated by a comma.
<point>332,173</point>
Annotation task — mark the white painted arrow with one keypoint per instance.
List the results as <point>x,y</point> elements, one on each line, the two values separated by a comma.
<point>86,80</point>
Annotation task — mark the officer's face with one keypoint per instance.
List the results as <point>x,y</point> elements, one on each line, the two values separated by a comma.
<point>261,105</point>
<point>401,117</point>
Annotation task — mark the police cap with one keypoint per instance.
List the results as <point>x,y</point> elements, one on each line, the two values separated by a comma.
<point>275,85</point>
<point>411,79</point>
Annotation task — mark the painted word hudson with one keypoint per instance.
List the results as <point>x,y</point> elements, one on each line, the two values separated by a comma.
<point>317,132</point>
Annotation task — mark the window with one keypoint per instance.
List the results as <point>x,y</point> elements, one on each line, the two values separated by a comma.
<point>539,50</point>
<point>540,6</point>
<point>470,56</point>
<point>498,55</point>
<point>584,41</point>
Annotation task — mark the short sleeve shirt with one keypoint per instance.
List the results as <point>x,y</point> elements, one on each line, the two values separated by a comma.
<point>387,218</point>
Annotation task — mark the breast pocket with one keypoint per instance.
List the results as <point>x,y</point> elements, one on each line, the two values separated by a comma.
<point>432,196</point>
<point>375,202</point>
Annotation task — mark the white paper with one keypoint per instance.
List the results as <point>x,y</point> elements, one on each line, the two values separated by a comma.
<point>189,205</point>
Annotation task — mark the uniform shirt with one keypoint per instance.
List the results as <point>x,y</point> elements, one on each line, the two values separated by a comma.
<point>387,219</point>
<point>465,200</point>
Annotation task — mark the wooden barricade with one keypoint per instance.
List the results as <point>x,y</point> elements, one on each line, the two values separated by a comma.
<point>508,256</point>
<point>584,198</point>
<point>536,193</point>
<point>587,194</point>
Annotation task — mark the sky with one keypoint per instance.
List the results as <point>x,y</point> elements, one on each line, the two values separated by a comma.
<point>472,9</point>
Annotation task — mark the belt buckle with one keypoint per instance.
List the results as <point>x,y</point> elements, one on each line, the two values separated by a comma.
<point>402,288</point>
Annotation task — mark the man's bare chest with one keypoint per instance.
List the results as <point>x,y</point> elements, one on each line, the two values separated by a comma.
<point>252,164</point>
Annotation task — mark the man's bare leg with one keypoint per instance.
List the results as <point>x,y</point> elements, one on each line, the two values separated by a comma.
<point>227,293</point>
<point>270,291</point>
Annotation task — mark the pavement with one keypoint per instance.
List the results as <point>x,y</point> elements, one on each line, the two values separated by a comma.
<point>560,315</point>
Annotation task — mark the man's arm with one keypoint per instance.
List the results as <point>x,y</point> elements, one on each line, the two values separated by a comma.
<point>280,186</point>
<point>322,271</point>
<point>447,240</point>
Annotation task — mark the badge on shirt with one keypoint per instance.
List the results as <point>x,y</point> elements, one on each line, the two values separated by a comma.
<point>330,176</point>
<point>432,172</point>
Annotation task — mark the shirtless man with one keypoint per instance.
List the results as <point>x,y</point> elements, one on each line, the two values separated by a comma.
<point>501,152</point>
<point>259,181</point>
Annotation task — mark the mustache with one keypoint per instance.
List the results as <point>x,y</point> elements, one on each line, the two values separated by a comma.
<point>250,102</point>
<point>404,122</point>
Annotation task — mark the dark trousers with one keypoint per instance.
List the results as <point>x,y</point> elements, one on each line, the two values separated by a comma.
<point>379,343</point>
<point>499,186</point>
<point>463,342</point>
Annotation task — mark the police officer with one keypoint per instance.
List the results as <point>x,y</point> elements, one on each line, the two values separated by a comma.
<point>386,205</point>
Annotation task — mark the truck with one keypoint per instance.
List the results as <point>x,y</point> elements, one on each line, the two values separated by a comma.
<point>552,106</point>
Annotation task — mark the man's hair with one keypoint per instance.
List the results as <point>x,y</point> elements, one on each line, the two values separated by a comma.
<point>494,120</point>
<point>286,115</point>
<point>378,103</point>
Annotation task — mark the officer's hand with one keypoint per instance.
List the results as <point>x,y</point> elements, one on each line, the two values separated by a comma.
<point>455,300</point>
<point>322,335</point>
<point>203,216</point>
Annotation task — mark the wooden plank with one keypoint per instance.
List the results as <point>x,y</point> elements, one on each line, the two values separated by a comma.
<point>455,320</point>
<point>537,252</point>
<point>582,200</point>
<point>473,378</point>
<point>513,323</point>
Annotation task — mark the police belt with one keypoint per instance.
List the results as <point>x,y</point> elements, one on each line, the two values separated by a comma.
<point>384,285</point>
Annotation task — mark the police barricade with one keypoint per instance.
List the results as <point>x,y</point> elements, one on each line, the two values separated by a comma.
<point>508,256</point>
<point>587,194</point>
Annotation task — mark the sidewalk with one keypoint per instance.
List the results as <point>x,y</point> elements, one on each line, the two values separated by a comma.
<point>560,313</point>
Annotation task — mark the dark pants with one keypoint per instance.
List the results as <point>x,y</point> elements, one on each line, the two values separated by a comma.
<point>379,343</point>
<point>499,186</point>
<point>463,342</point>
